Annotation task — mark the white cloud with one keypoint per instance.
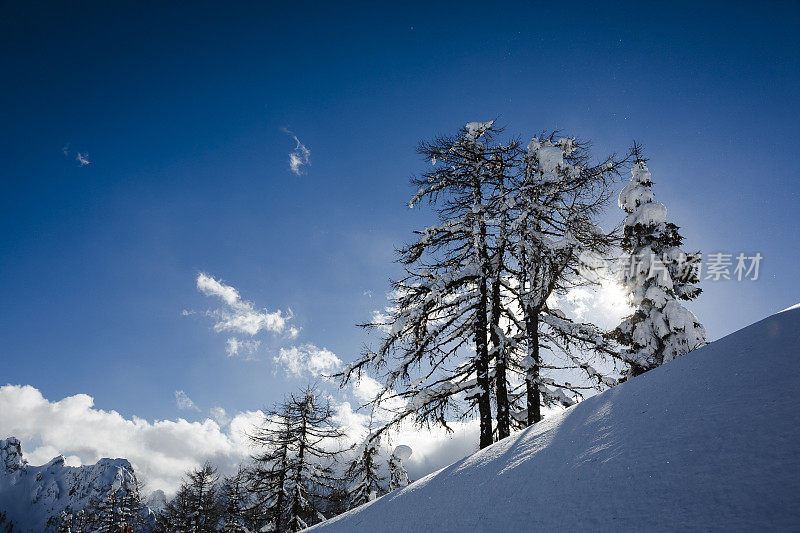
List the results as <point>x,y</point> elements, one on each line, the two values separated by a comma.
<point>236,346</point>
<point>365,389</point>
<point>82,157</point>
<point>219,414</point>
<point>300,156</point>
<point>161,451</point>
<point>239,315</point>
<point>211,287</point>
<point>307,358</point>
<point>184,402</point>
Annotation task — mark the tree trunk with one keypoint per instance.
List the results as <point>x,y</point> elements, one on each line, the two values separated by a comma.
<point>532,377</point>
<point>295,520</point>
<point>481,333</point>
<point>279,502</point>
<point>501,385</point>
<point>482,368</point>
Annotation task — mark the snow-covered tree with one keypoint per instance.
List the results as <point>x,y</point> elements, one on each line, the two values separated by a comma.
<point>657,275</point>
<point>438,324</point>
<point>104,513</point>
<point>268,477</point>
<point>195,507</point>
<point>398,477</point>
<point>301,448</point>
<point>65,525</point>
<point>175,514</point>
<point>555,202</point>
<point>235,504</point>
<point>363,473</point>
<point>203,499</point>
<point>131,507</point>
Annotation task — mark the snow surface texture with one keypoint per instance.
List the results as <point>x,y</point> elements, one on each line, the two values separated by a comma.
<point>707,442</point>
<point>30,495</point>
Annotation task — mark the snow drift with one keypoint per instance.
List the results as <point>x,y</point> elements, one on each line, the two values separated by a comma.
<point>710,441</point>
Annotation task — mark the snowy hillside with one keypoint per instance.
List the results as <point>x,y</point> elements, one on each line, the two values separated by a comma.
<point>32,495</point>
<point>710,441</point>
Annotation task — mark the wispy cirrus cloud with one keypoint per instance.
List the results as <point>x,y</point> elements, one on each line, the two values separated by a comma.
<point>300,156</point>
<point>81,157</point>
<point>184,403</point>
<point>235,346</point>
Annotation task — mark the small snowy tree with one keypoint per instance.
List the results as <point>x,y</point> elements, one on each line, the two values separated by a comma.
<point>366,483</point>
<point>104,513</point>
<point>66,524</point>
<point>175,515</point>
<point>268,477</point>
<point>398,477</point>
<point>657,275</point>
<point>301,448</point>
<point>204,505</point>
<point>235,496</point>
<point>131,506</point>
<point>195,507</point>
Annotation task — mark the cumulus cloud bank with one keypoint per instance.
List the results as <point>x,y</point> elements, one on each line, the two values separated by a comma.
<point>160,451</point>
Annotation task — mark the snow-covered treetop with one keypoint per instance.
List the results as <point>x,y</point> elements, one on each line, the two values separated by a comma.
<point>636,199</point>
<point>476,129</point>
<point>638,191</point>
<point>402,452</point>
<point>550,155</point>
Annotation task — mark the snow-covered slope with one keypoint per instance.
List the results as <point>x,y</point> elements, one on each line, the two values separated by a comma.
<point>31,495</point>
<point>708,442</point>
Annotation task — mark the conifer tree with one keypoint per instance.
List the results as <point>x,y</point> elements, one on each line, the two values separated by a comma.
<point>366,483</point>
<point>555,201</point>
<point>657,275</point>
<point>398,477</point>
<point>104,514</point>
<point>235,496</point>
<point>270,471</point>
<point>195,507</point>
<point>295,474</point>
<point>439,323</point>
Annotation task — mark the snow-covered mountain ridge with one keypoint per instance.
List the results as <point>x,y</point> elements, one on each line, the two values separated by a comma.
<point>30,496</point>
<point>708,442</point>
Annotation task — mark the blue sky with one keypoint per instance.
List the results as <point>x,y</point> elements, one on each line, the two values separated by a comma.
<point>183,113</point>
